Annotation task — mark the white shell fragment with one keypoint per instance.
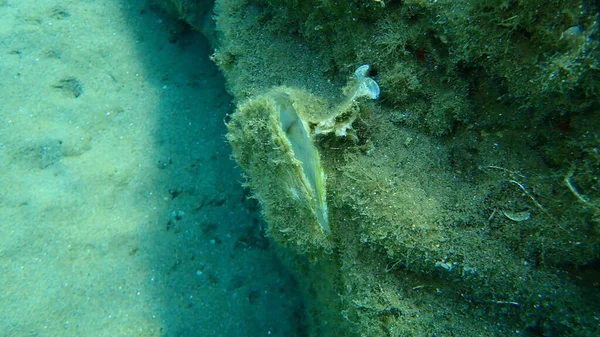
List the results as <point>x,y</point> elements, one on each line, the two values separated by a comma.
<point>366,86</point>
<point>362,71</point>
<point>517,216</point>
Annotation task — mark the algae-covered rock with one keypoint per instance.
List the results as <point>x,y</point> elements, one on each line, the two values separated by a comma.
<point>488,109</point>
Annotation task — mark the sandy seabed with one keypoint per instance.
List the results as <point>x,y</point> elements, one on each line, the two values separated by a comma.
<point>121,212</point>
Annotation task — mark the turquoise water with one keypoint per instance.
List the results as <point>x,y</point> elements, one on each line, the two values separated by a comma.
<point>121,212</point>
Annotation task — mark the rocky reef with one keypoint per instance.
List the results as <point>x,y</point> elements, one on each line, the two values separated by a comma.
<point>464,200</point>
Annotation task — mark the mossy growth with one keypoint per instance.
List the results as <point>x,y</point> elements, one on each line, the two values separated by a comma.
<point>469,194</point>
<point>419,235</point>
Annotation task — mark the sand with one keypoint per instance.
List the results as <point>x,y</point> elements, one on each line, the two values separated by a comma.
<point>121,212</point>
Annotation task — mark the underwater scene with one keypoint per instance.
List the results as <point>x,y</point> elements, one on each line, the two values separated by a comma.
<point>300,168</point>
